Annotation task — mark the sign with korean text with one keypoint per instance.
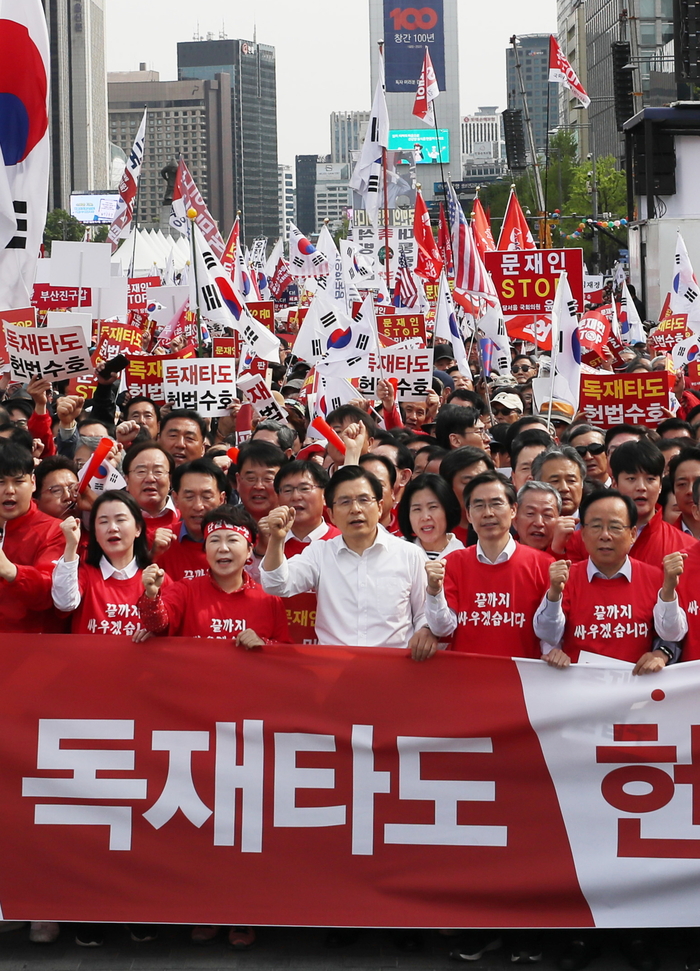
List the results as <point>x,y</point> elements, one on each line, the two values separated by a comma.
<point>412,367</point>
<point>672,329</point>
<point>401,327</point>
<point>58,353</point>
<point>408,30</point>
<point>594,330</point>
<point>116,338</point>
<point>26,317</point>
<point>144,376</point>
<point>384,793</point>
<point>46,297</point>
<point>204,384</point>
<point>260,397</point>
<point>609,399</point>
<point>224,347</point>
<point>84,385</point>
<point>138,287</point>
<point>526,280</point>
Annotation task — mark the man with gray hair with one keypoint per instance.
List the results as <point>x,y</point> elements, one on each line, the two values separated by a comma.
<point>274,432</point>
<point>537,515</point>
<point>564,469</point>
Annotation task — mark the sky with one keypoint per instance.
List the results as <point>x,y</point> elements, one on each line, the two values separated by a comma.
<point>322,51</point>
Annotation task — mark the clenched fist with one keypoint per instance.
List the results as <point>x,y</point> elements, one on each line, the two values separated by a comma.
<point>436,576</point>
<point>152,579</point>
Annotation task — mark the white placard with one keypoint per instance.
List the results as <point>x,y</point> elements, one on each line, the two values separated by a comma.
<point>56,354</point>
<point>80,264</point>
<point>203,384</point>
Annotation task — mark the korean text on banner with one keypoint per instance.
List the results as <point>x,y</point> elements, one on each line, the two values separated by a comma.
<point>526,280</point>
<point>636,399</point>
<point>412,367</point>
<point>401,327</point>
<point>54,354</point>
<point>207,385</point>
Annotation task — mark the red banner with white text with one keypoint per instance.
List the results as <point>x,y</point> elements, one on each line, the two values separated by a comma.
<point>189,781</point>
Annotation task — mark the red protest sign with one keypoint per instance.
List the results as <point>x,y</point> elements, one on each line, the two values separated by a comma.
<point>144,376</point>
<point>137,287</point>
<point>83,385</point>
<point>401,327</point>
<point>608,399</point>
<point>594,330</point>
<point>116,339</point>
<point>672,329</point>
<point>224,347</point>
<point>46,297</point>
<point>531,327</point>
<point>526,280</point>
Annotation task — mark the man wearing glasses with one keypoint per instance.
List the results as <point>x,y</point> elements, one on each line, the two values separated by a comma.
<point>523,368</point>
<point>506,408</point>
<point>487,594</point>
<point>57,487</point>
<point>589,442</point>
<point>147,468</point>
<point>369,585</point>
<point>610,604</point>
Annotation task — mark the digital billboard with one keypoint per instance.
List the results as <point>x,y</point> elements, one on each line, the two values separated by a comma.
<point>408,30</point>
<point>97,207</point>
<point>423,143</point>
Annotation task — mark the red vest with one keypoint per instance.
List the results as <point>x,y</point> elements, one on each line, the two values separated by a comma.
<point>495,605</point>
<point>611,617</point>
<point>184,559</point>
<point>301,609</point>
<point>34,543</point>
<point>107,606</point>
<point>689,596</point>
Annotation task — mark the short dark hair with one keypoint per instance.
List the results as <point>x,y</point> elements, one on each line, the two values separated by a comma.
<point>21,437</point>
<point>261,453</point>
<point>483,479</point>
<point>464,394</point>
<point>94,550</point>
<point>639,456</point>
<point>599,494</point>
<point>454,419</point>
<point>442,492</point>
<point>15,460</point>
<point>433,451</point>
<point>185,413</point>
<point>140,399</point>
<point>203,466</point>
<point>25,405</point>
<point>639,430</point>
<point>404,456</point>
<point>52,463</point>
<point>674,425</point>
<point>298,467</point>
<point>463,458</point>
<point>355,414</point>
<point>524,357</point>
<point>693,413</point>
<point>383,460</point>
<point>527,421</point>
<point>87,420</point>
<point>349,473</point>
<point>582,428</point>
<point>666,444</point>
<point>149,445</point>
<point>531,436</point>
<point>234,516</point>
<point>691,454</point>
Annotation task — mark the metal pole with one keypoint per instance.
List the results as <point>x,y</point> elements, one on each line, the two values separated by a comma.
<point>192,215</point>
<point>531,134</point>
<point>386,225</point>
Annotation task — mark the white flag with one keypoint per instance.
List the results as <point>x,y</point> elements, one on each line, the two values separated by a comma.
<point>447,328</point>
<point>366,176</point>
<point>128,189</point>
<point>685,293</point>
<point>24,150</point>
<point>323,318</point>
<point>349,346</point>
<point>333,284</point>
<point>632,327</point>
<point>565,330</point>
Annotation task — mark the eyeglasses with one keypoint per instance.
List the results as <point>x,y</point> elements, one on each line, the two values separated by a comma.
<point>303,490</point>
<point>596,528</point>
<point>481,505</point>
<point>141,473</point>
<point>60,490</point>
<point>250,478</point>
<point>20,422</point>
<point>518,368</point>
<point>347,502</point>
<point>595,448</point>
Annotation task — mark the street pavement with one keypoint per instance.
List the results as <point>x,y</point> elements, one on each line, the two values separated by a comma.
<point>291,948</point>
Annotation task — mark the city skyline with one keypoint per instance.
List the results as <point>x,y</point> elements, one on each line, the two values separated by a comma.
<point>306,96</point>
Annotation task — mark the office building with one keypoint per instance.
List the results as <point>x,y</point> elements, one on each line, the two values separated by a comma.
<point>305,172</point>
<point>331,193</point>
<point>571,35</point>
<point>403,63</point>
<point>286,199</point>
<point>188,118</point>
<point>80,157</point>
<point>348,129</point>
<point>542,97</point>
<point>251,67</point>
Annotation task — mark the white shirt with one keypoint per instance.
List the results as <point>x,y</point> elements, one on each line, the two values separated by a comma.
<point>442,620</point>
<point>168,507</point>
<point>670,621</point>
<point>373,600</point>
<point>65,589</point>
<point>318,532</point>
<point>452,544</point>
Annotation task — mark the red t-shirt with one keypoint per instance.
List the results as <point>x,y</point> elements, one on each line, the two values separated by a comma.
<point>610,617</point>
<point>107,606</point>
<point>184,559</point>
<point>495,605</point>
<point>34,543</point>
<point>169,519</point>
<point>656,540</point>
<point>301,609</point>
<point>689,596</point>
<point>200,608</point>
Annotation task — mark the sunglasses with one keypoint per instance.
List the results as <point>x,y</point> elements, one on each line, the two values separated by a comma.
<point>517,368</point>
<point>502,412</point>
<point>595,448</point>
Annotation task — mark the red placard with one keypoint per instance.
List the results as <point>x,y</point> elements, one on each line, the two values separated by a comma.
<point>401,327</point>
<point>83,385</point>
<point>608,399</point>
<point>594,330</point>
<point>530,327</point>
<point>672,329</point>
<point>526,280</point>
<point>46,297</point>
<point>116,339</point>
<point>138,285</point>
<point>224,347</point>
<point>144,376</point>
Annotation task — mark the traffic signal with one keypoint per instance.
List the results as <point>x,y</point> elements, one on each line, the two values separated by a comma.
<point>622,82</point>
<point>514,136</point>
<point>686,21</point>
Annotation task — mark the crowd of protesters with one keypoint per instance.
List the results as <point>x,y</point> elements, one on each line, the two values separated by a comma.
<point>465,523</point>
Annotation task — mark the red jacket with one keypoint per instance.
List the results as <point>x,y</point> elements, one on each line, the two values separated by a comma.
<point>34,543</point>
<point>39,426</point>
<point>656,540</point>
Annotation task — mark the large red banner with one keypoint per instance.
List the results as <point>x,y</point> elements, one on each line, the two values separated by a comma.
<point>526,280</point>
<point>187,780</point>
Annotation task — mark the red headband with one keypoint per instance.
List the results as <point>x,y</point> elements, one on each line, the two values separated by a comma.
<point>221,524</point>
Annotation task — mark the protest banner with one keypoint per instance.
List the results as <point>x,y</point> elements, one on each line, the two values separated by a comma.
<point>412,367</point>
<point>84,385</point>
<point>608,399</point>
<point>26,317</point>
<point>593,288</point>
<point>672,329</point>
<point>144,376</point>
<point>138,298</point>
<point>205,384</point>
<point>594,330</point>
<point>46,297</point>
<point>537,329</point>
<point>260,397</point>
<point>116,338</point>
<point>58,353</point>
<point>371,794</point>
<point>397,327</point>
<point>526,280</point>
<point>224,347</point>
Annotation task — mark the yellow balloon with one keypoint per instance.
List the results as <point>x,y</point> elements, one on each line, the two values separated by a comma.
<point>191,213</point>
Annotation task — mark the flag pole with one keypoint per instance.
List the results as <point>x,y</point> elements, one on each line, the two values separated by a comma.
<point>386,205</point>
<point>530,133</point>
<point>442,166</point>
<point>192,215</point>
